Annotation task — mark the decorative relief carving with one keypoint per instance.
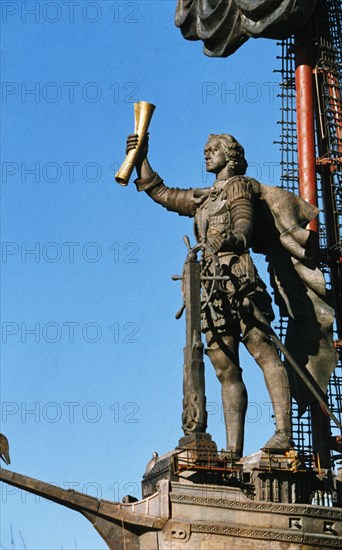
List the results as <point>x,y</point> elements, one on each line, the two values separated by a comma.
<point>258,506</point>
<point>267,535</point>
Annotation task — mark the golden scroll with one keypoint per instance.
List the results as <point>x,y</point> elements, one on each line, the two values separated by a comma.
<point>143,112</point>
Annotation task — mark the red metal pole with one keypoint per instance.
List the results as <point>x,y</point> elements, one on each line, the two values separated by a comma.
<point>308,191</point>
<point>305,121</point>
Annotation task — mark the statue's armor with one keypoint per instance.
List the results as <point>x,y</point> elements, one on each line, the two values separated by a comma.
<point>228,209</point>
<point>225,209</point>
<point>213,216</point>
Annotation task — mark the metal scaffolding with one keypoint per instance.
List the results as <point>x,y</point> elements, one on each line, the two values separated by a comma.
<point>325,49</point>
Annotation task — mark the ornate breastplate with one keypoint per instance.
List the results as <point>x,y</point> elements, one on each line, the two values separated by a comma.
<point>213,215</point>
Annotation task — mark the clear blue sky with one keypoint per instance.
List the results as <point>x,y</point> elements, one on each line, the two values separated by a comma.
<point>97,386</point>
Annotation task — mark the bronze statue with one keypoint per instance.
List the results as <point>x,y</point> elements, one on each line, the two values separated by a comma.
<point>224,218</point>
<point>224,25</point>
<point>231,217</point>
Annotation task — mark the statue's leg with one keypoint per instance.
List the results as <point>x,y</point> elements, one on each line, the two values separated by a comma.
<point>265,354</point>
<point>225,359</point>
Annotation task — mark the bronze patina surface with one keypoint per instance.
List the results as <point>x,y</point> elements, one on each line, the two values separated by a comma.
<point>234,215</point>
<point>224,25</point>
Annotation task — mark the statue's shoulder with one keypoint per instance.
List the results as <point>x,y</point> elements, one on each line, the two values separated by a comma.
<point>241,187</point>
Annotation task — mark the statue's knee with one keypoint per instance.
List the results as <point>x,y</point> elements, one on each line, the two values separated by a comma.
<point>226,370</point>
<point>259,345</point>
<point>222,373</point>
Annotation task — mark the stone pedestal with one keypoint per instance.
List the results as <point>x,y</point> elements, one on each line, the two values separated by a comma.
<point>264,477</point>
<point>212,517</point>
<point>185,514</point>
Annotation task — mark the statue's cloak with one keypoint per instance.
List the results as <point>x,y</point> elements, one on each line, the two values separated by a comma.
<point>299,286</point>
<point>224,25</point>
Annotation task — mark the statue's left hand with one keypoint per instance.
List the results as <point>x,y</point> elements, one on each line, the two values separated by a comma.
<point>224,243</point>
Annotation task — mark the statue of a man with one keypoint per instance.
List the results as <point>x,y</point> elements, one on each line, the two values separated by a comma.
<point>224,219</point>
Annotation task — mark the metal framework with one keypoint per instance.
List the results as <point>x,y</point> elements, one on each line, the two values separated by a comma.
<point>324,48</point>
<point>188,460</point>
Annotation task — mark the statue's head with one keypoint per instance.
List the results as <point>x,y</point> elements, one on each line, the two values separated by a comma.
<point>225,150</point>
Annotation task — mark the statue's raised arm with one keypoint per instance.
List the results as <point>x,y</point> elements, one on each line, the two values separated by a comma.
<point>174,199</point>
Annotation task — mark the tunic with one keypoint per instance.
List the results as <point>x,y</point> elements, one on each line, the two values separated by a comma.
<point>227,210</point>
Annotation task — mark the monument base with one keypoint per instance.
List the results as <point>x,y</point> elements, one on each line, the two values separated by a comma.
<point>262,476</point>
<point>260,502</point>
<point>217,517</point>
<point>254,504</point>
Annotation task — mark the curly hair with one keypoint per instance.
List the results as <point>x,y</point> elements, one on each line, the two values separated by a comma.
<point>234,152</point>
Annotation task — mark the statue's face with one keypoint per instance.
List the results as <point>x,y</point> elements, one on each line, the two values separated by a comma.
<point>215,156</point>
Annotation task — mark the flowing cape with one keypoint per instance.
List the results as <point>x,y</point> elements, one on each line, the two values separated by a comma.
<point>299,286</point>
<point>224,25</point>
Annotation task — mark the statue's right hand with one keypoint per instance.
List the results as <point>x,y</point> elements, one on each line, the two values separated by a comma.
<point>132,142</point>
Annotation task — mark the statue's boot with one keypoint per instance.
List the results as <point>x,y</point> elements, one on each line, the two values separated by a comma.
<point>265,354</point>
<point>279,390</point>
<point>234,398</point>
<point>279,443</point>
<point>234,410</point>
